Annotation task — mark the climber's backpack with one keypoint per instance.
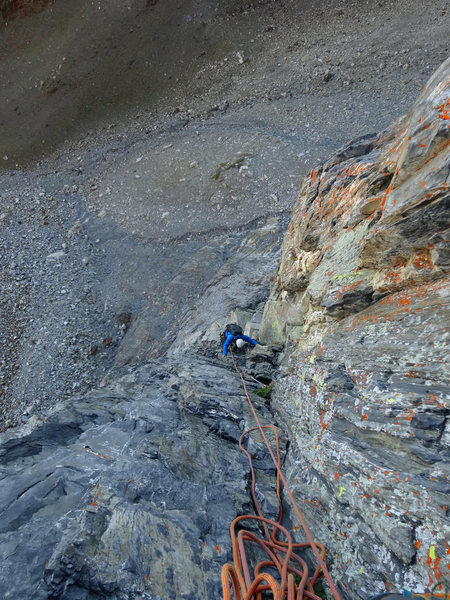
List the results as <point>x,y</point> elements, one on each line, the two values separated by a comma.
<point>234,329</point>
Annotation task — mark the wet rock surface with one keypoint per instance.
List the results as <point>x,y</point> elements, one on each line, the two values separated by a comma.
<point>361,298</point>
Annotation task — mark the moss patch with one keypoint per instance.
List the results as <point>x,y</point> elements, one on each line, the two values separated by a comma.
<point>319,590</point>
<point>265,392</point>
<point>226,166</point>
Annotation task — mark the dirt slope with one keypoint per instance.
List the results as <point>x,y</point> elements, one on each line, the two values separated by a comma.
<point>66,71</point>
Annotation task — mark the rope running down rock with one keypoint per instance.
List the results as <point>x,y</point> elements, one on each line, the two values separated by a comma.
<point>293,581</point>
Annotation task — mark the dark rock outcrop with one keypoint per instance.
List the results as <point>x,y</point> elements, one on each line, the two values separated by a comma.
<point>130,491</point>
<point>361,298</point>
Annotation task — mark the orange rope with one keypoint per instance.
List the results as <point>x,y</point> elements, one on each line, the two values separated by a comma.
<point>295,582</point>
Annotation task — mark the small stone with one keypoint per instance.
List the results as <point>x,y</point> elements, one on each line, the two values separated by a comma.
<point>102,213</point>
<point>55,255</point>
<point>74,228</point>
<point>123,318</point>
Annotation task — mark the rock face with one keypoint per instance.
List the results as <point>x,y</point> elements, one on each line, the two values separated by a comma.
<point>361,299</point>
<point>129,492</point>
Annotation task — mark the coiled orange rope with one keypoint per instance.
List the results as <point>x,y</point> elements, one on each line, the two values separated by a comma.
<point>283,572</point>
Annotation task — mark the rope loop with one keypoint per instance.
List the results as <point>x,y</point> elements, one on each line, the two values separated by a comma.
<point>282,571</point>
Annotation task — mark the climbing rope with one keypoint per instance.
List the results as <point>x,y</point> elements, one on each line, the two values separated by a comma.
<point>283,572</point>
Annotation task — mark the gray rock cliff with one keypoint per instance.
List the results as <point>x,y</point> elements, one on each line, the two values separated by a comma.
<point>361,299</point>
<point>129,491</point>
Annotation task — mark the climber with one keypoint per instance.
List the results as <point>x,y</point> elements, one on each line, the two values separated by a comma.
<point>234,333</point>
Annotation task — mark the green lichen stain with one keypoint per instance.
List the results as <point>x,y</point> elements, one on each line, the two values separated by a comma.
<point>351,276</point>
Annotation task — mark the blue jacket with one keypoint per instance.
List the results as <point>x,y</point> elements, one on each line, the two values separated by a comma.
<point>229,337</point>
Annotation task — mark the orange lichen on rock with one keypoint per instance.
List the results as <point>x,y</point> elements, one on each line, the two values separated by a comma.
<point>376,298</point>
